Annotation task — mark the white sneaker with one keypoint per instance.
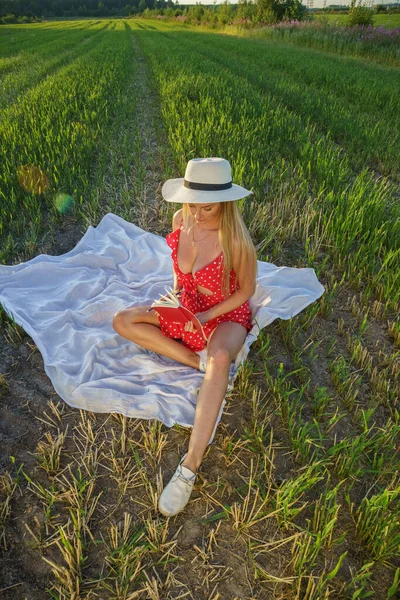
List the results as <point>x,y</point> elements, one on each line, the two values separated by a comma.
<point>176,494</point>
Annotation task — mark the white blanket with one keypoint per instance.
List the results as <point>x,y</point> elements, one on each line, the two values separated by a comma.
<point>66,304</point>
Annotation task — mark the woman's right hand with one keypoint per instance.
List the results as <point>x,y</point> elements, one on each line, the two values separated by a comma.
<point>188,326</point>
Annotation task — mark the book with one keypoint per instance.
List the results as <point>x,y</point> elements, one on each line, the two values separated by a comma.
<point>171,309</point>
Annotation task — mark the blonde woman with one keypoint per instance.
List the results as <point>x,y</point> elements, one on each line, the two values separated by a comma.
<point>215,268</point>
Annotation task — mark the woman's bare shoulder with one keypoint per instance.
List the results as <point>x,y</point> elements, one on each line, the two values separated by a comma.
<point>176,219</point>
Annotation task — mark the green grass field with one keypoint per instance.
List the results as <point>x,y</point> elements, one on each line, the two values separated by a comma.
<point>389,21</point>
<point>298,496</point>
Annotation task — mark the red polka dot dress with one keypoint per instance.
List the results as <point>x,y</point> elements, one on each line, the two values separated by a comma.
<point>209,277</point>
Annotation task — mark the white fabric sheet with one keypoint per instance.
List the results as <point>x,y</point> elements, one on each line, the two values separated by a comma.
<point>66,304</point>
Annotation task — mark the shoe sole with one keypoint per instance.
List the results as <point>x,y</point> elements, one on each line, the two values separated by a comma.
<point>166,514</point>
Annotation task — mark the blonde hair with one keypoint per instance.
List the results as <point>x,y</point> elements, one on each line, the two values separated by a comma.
<point>231,227</point>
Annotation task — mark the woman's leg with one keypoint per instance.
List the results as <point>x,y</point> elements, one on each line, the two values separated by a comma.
<point>143,328</point>
<point>225,343</point>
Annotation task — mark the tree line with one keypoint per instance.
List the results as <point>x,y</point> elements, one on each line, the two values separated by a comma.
<point>18,11</point>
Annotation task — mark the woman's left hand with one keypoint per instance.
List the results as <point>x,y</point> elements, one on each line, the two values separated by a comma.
<point>203,317</point>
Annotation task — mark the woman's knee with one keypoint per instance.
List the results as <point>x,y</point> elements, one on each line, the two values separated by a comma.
<point>219,358</point>
<point>124,318</point>
<point>119,321</point>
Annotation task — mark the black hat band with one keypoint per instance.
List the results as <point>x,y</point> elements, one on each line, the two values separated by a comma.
<point>210,187</point>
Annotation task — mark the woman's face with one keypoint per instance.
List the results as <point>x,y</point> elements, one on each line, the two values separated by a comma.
<point>206,213</point>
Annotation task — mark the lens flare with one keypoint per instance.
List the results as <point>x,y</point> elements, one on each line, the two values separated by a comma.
<point>63,202</point>
<point>32,179</point>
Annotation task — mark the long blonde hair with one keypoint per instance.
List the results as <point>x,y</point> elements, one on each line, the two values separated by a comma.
<point>231,227</point>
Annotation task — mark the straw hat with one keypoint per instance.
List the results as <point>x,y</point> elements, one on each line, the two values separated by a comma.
<point>206,180</point>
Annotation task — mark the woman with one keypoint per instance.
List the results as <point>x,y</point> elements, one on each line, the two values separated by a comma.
<point>215,268</point>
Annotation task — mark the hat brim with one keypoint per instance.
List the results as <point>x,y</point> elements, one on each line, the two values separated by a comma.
<point>173,190</point>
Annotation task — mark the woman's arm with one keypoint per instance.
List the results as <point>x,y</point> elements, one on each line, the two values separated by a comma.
<point>176,219</point>
<point>246,275</point>
<point>177,286</point>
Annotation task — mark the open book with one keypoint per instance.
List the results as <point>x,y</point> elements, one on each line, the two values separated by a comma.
<point>170,308</point>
